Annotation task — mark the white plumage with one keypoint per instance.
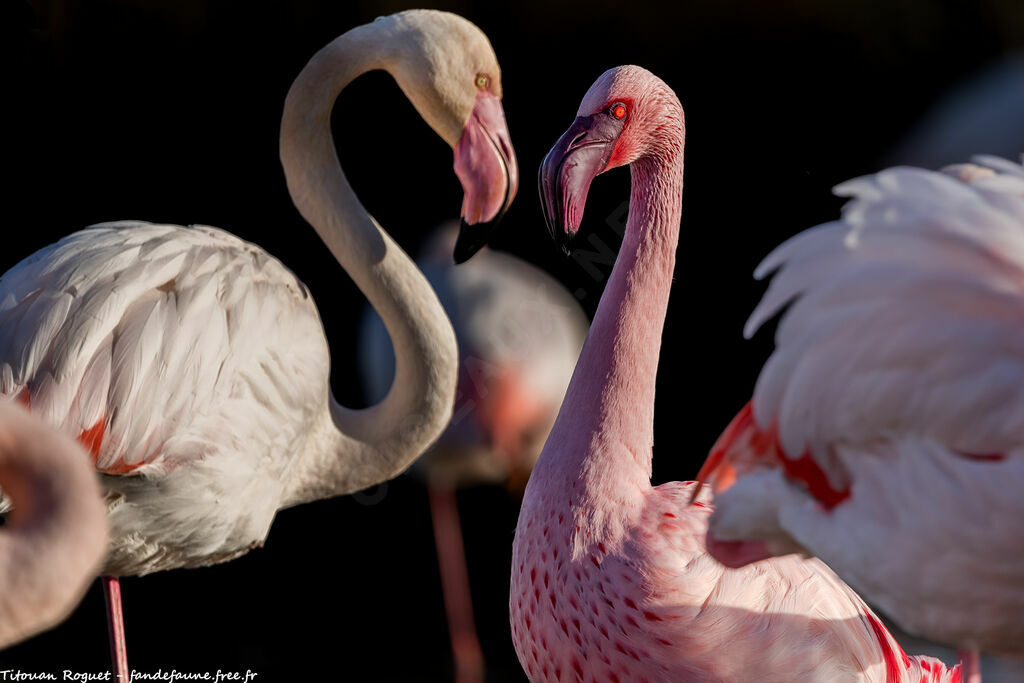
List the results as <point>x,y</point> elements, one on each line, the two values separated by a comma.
<point>899,369</point>
<point>910,305</point>
<point>194,366</point>
<point>187,346</point>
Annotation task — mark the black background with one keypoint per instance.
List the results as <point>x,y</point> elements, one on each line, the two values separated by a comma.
<point>168,110</point>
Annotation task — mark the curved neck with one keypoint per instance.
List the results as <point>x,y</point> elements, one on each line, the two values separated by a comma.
<point>52,545</point>
<point>352,449</point>
<point>601,443</point>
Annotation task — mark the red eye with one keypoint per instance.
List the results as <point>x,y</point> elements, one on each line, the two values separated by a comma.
<point>618,110</point>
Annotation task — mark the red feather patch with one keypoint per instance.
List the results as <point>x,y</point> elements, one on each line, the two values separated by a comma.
<point>92,438</point>
<point>743,442</point>
<point>892,658</point>
<point>985,457</point>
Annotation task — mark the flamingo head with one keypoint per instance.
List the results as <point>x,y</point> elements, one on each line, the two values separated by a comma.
<point>627,115</point>
<point>448,70</point>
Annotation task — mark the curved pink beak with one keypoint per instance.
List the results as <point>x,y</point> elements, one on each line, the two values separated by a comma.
<point>564,178</point>
<point>486,167</point>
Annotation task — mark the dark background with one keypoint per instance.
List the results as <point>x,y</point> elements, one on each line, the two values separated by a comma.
<point>168,110</point>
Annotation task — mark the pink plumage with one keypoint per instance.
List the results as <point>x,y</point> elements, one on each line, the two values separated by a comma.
<point>896,383</point>
<point>51,548</point>
<point>610,578</point>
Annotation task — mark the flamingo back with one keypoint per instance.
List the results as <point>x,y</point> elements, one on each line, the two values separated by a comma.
<point>183,355</point>
<point>905,316</point>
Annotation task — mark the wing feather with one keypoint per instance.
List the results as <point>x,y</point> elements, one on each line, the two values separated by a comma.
<point>148,330</point>
<point>907,315</point>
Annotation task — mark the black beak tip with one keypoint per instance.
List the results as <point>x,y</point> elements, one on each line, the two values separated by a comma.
<point>472,239</point>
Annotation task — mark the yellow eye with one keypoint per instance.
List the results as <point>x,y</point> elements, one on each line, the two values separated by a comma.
<point>482,82</point>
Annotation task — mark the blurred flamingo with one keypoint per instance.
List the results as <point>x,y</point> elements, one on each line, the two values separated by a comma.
<point>519,334</point>
<point>52,545</point>
<point>193,365</point>
<point>610,577</point>
<point>980,114</point>
<point>886,432</point>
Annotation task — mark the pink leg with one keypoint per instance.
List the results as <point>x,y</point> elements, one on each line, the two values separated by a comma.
<point>451,557</point>
<point>970,666</point>
<point>115,626</point>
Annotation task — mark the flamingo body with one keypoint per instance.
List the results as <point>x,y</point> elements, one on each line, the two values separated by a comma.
<point>657,607</point>
<point>184,356</point>
<point>896,384</point>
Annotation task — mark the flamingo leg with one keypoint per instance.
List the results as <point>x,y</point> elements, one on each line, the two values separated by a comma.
<point>458,604</point>
<point>115,627</point>
<point>970,666</point>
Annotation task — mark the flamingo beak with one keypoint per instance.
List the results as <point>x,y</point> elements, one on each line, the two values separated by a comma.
<point>579,156</point>
<point>486,166</point>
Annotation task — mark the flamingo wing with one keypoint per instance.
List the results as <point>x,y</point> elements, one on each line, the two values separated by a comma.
<point>795,612</point>
<point>134,336</point>
<point>894,397</point>
<point>905,316</point>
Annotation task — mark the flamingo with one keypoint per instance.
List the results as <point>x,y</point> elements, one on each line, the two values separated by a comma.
<point>519,334</point>
<point>610,577</point>
<point>884,435</point>
<point>52,546</point>
<point>193,365</point>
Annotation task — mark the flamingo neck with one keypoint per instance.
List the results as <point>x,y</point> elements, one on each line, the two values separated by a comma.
<point>600,447</point>
<point>56,536</point>
<point>349,450</point>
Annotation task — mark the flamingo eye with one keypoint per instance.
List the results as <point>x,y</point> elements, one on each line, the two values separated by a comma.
<point>482,81</point>
<point>618,110</point>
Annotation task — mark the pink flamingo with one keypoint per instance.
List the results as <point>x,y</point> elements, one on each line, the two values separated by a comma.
<point>519,334</point>
<point>610,577</point>
<point>194,365</point>
<point>52,545</point>
<point>884,435</point>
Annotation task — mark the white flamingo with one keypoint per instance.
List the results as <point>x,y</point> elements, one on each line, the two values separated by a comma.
<point>52,546</point>
<point>194,365</point>
<point>886,432</point>
<point>519,334</point>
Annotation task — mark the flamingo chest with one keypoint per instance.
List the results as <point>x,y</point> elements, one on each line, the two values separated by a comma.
<point>581,616</point>
<point>203,515</point>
